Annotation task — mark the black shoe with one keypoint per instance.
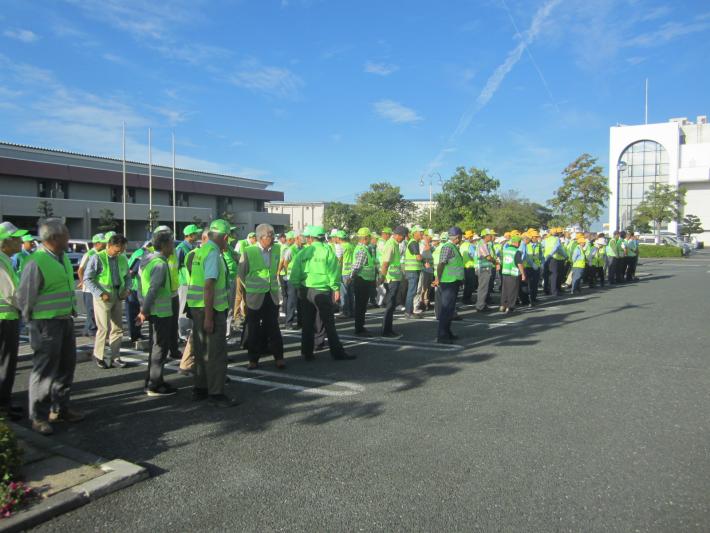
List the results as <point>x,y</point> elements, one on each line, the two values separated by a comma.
<point>391,334</point>
<point>199,395</point>
<point>221,400</point>
<point>363,333</point>
<point>101,363</point>
<point>161,390</point>
<point>119,363</point>
<point>344,356</point>
<point>444,341</point>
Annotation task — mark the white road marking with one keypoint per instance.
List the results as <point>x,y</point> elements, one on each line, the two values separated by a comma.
<point>399,344</point>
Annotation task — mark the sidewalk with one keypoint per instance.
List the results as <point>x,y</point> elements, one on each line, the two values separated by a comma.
<point>65,478</point>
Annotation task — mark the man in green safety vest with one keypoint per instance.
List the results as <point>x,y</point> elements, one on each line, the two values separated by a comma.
<point>293,311</point>
<point>46,298</point>
<point>107,278</point>
<point>598,262</point>
<point>316,276</point>
<point>612,258</point>
<point>579,259</point>
<point>413,264</point>
<point>133,305</point>
<point>555,256</point>
<point>469,280</point>
<point>157,307</point>
<point>391,277</point>
<point>20,258</point>
<point>385,236</point>
<point>486,266</point>
<point>97,244</point>
<point>347,302</point>
<point>207,302</point>
<point>449,277</point>
<point>362,279</point>
<point>10,244</point>
<point>258,271</point>
<point>192,235</point>
<point>512,273</point>
<point>632,255</point>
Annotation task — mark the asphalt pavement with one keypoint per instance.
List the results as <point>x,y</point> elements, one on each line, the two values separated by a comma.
<point>586,413</point>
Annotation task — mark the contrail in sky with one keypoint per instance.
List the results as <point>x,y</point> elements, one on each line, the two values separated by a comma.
<point>495,80</point>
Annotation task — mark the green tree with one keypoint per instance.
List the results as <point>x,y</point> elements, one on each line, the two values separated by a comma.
<point>661,203</point>
<point>342,216</point>
<point>466,199</point>
<point>45,209</point>
<point>383,205</point>
<point>691,225</point>
<point>514,212</point>
<point>153,220</point>
<point>583,193</point>
<point>107,222</point>
<point>640,224</point>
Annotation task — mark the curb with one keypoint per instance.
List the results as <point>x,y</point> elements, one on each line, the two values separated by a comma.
<point>118,474</point>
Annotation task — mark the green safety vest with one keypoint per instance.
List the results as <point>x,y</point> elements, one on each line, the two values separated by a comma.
<point>533,255</point>
<point>551,243</point>
<point>435,254</point>
<point>7,311</point>
<point>483,262</point>
<point>163,303</point>
<point>570,249</point>
<point>348,256</point>
<point>295,250</point>
<point>262,279</point>
<point>183,274</point>
<point>497,249</point>
<point>468,261</point>
<point>378,251</point>
<point>509,267</point>
<point>173,270</point>
<point>581,262</point>
<point>56,297</point>
<point>611,248</point>
<point>599,257</point>
<point>453,270</point>
<point>231,263</point>
<point>367,272</point>
<point>196,288</point>
<point>394,271</point>
<point>318,266</point>
<point>24,256</point>
<point>105,278</point>
<point>411,263</point>
<point>135,256</point>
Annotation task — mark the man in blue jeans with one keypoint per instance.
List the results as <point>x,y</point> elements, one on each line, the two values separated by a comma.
<point>413,265</point>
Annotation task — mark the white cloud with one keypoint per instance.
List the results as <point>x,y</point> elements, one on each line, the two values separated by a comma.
<point>381,69</point>
<point>668,32</point>
<point>396,112</point>
<point>26,36</point>
<point>173,116</point>
<point>274,81</point>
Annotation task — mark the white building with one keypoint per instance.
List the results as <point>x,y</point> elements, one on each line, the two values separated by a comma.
<point>676,152</point>
<point>423,206</point>
<point>302,214</point>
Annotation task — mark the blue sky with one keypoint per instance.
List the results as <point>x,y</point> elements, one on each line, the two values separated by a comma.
<point>324,97</point>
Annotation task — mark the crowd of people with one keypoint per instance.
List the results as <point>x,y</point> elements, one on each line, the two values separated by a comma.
<point>212,287</point>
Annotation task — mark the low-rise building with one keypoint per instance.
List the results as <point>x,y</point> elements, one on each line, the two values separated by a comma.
<point>302,214</point>
<point>83,188</point>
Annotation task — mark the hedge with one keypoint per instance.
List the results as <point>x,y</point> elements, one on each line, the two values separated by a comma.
<point>10,454</point>
<point>662,250</point>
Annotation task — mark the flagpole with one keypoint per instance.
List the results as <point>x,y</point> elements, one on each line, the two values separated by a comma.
<point>123,143</point>
<point>645,114</point>
<point>174,204</point>
<point>150,183</point>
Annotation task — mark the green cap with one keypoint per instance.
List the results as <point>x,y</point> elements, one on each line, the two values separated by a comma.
<point>159,229</point>
<point>307,231</point>
<point>220,226</point>
<point>487,231</point>
<point>99,237</point>
<point>291,234</point>
<point>28,238</point>
<point>363,232</point>
<point>251,234</point>
<point>108,235</point>
<point>317,231</point>
<point>12,230</point>
<point>191,229</point>
<point>386,230</point>
<point>444,236</point>
<point>416,228</point>
<point>341,234</point>
<point>516,239</point>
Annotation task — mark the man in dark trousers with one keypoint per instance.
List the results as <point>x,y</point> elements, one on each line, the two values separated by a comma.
<point>362,279</point>
<point>391,276</point>
<point>449,276</point>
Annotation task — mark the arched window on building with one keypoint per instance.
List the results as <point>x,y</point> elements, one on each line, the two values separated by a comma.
<point>641,164</point>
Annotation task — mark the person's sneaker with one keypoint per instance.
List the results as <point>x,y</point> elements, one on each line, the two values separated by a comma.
<point>412,316</point>
<point>344,356</point>
<point>199,395</point>
<point>221,400</point>
<point>161,390</point>
<point>66,415</point>
<point>119,363</point>
<point>101,363</point>
<point>42,427</point>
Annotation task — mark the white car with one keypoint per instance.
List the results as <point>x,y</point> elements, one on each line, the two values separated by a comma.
<point>667,239</point>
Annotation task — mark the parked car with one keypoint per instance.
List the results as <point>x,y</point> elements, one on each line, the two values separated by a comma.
<point>76,250</point>
<point>670,240</point>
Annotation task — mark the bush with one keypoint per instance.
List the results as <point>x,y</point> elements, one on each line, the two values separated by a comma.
<point>10,454</point>
<point>662,250</point>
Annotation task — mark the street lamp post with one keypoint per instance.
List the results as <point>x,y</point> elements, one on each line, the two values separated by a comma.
<point>430,177</point>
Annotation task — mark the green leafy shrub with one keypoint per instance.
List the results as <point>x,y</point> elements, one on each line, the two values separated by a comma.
<point>663,250</point>
<point>10,453</point>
